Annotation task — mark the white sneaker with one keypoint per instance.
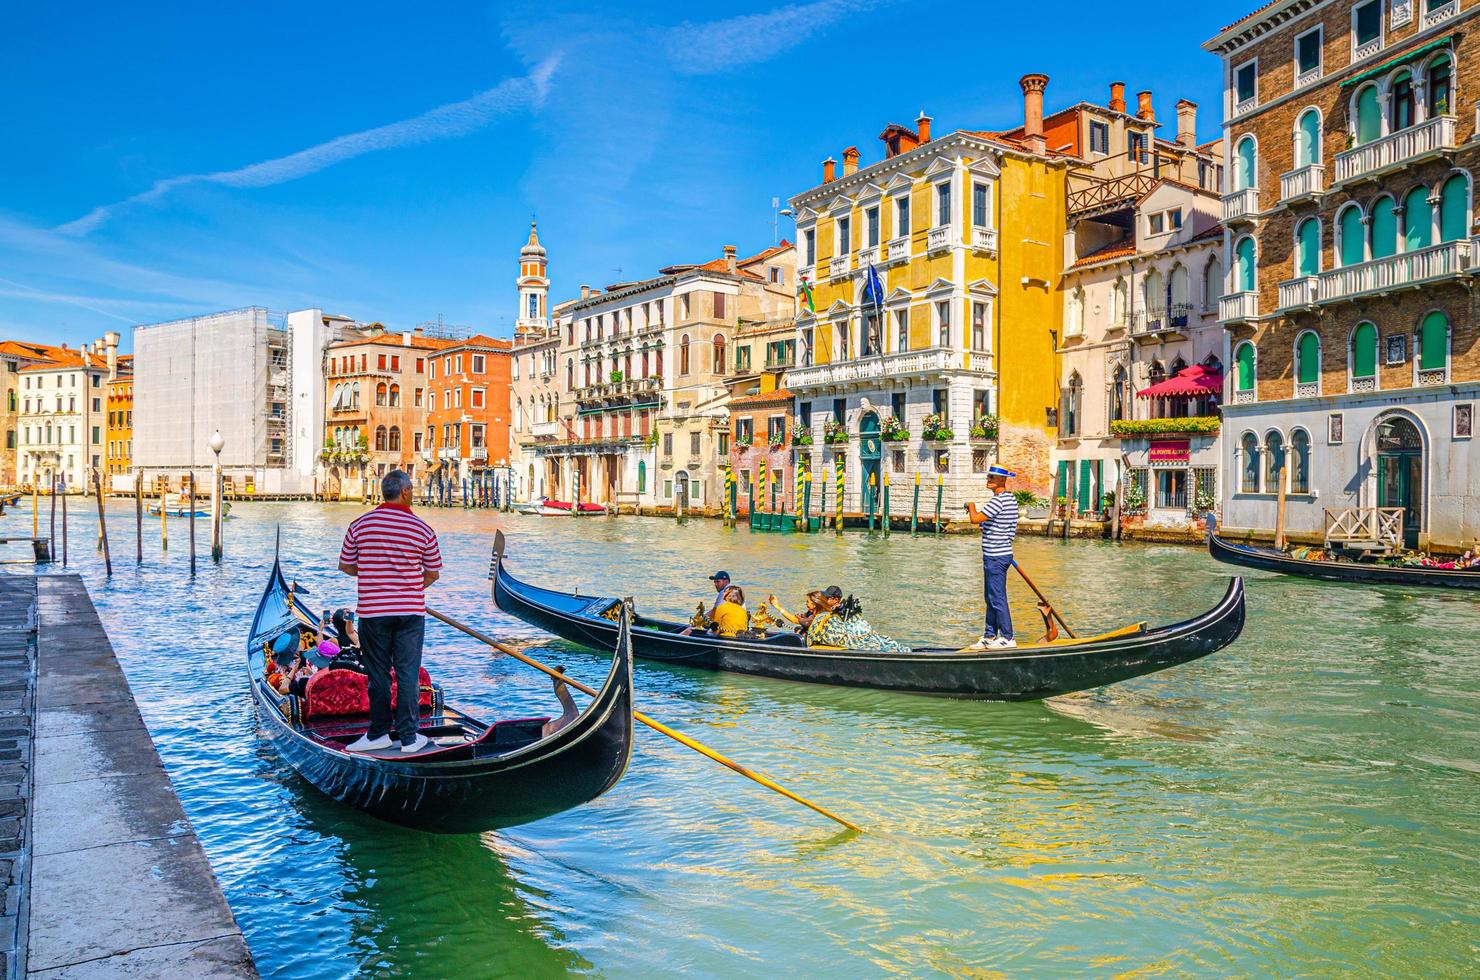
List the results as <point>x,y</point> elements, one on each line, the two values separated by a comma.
<point>1004,643</point>
<point>985,643</point>
<point>417,743</point>
<point>367,744</point>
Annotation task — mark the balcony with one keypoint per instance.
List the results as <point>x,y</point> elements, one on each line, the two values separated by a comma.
<point>1169,320</point>
<point>1239,307</point>
<point>478,454</point>
<point>1439,14</point>
<point>1300,293</point>
<point>868,256</point>
<point>837,266</point>
<point>984,239</point>
<point>1366,49</point>
<point>877,368</point>
<point>1247,105</point>
<point>938,238</point>
<point>807,272</point>
<point>898,249</point>
<point>1429,138</point>
<point>545,430</point>
<point>1241,205</point>
<point>1409,269</point>
<point>1303,183</point>
<point>1308,77</point>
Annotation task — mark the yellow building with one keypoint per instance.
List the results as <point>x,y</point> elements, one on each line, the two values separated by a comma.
<point>954,368</point>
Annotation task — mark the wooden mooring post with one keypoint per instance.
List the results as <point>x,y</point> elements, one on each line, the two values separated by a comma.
<point>53,516</point>
<point>139,517</point>
<point>885,514</point>
<point>915,506</point>
<point>191,518</point>
<point>64,527</point>
<point>838,520</point>
<point>102,526</point>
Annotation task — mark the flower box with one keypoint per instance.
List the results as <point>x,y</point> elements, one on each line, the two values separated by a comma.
<point>1193,425</point>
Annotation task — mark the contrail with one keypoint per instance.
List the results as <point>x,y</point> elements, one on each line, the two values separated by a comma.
<point>717,46</point>
<point>444,122</point>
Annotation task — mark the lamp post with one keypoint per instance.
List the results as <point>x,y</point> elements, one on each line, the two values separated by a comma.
<point>217,444</point>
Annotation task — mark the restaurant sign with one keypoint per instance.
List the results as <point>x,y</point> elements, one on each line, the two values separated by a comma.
<point>1166,451</point>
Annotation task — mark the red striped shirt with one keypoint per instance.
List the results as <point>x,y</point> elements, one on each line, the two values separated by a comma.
<point>391,547</point>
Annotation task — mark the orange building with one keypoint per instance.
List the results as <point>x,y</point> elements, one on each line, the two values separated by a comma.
<point>468,411</point>
<point>118,453</point>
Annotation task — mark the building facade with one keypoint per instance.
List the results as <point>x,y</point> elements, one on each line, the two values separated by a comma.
<point>14,355</point>
<point>540,401</point>
<point>63,416</point>
<point>762,413</point>
<point>468,410</point>
<point>119,452</point>
<point>1350,308</point>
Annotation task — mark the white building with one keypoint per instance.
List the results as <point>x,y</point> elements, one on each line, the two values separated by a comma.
<point>63,417</point>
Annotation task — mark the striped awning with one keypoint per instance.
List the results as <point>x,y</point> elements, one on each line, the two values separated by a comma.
<point>1392,63</point>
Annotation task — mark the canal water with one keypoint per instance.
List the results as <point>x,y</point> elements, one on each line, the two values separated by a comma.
<point>1306,801</point>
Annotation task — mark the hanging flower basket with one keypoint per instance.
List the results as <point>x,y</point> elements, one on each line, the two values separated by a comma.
<point>834,432</point>
<point>892,430</point>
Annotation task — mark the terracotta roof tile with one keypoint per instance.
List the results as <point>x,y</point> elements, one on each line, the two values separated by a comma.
<point>1118,249</point>
<point>1250,16</point>
<point>762,398</point>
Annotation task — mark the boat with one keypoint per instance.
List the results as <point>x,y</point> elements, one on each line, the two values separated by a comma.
<point>472,776</point>
<point>560,508</point>
<point>1025,673</point>
<point>529,506</point>
<point>1363,572</point>
<point>180,507</point>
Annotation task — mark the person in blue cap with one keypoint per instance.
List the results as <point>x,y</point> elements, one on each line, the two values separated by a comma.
<point>998,520</point>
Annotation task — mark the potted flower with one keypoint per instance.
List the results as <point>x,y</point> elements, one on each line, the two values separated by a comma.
<point>1026,499</point>
<point>936,429</point>
<point>985,427</point>
<point>743,442</point>
<point>892,429</point>
<point>617,377</point>
<point>777,439</point>
<point>833,431</point>
<point>801,435</point>
<point>1135,498</point>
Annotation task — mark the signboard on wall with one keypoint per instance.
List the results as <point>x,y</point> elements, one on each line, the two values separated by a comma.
<point>1168,451</point>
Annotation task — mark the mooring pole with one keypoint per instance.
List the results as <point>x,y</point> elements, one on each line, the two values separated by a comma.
<point>53,517</point>
<point>191,519</point>
<point>164,528</point>
<point>870,492</point>
<point>64,524</point>
<point>103,526</point>
<point>35,507</point>
<point>838,463</point>
<point>915,506</point>
<point>807,500</point>
<point>940,489</point>
<point>139,517</point>
<point>885,516</point>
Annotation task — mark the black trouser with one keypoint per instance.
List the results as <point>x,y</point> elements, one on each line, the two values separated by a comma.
<point>393,643</point>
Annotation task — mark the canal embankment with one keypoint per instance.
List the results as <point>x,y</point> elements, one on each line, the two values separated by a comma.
<point>105,875</point>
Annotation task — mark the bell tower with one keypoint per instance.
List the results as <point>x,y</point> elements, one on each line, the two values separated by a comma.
<point>534,287</point>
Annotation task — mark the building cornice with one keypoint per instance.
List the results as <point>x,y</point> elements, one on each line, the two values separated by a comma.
<point>1256,25</point>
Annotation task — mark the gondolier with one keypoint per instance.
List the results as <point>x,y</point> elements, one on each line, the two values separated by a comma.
<point>394,555</point>
<point>998,520</point>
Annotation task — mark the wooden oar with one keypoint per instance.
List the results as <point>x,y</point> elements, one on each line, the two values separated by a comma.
<point>1044,599</point>
<point>655,725</point>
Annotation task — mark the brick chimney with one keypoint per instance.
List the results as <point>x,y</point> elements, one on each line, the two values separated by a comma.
<point>850,161</point>
<point>585,291</point>
<point>828,166</point>
<point>1143,106</point>
<point>1033,86</point>
<point>923,125</point>
<point>730,259</point>
<point>1117,96</point>
<point>1187,122</point>
<point>418,332</point>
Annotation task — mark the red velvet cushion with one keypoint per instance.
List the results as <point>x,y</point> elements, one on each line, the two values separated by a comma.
<point>333,693</point>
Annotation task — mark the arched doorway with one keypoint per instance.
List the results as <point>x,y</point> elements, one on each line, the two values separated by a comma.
<point>681,489</point>
<point>870,450</point>
<point>1400,473</point>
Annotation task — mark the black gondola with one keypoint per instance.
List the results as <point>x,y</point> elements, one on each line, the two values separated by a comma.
<point>1365,573</point>
<point>472,776</point>
<point>1026,673</point>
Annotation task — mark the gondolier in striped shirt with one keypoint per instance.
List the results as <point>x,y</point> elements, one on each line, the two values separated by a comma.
<point>394,556</point>
<point>998,520</point>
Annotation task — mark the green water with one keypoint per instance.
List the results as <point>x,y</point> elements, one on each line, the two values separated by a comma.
<point>1305,802</point>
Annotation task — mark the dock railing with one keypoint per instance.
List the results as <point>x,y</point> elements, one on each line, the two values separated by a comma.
<point>1365,528</point>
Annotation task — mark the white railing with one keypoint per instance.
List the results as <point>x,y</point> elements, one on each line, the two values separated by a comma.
<point>1433,377</point>
<point>806,272</point>
<point>1360,51</point>
<point>938,238</point>
<point>879,366</point>
<point>1303,182</point>
<point>1238,306</point>
<point>984,239</point>
<point>1243,396</point>
<point>479,454</point>
<point>1438,14</point>
<point>1397,148</point>
<point>868,256</point>
<point>837,266</point>
<point>1149,322</point>
<point>1395,271</point>
<point>1248,105</point>
<point>1382,525</point>
<point>1299,292</point>
<point>1307,389</point>
<point>1241,204</point>
<point>544,430</point>
<point>898,248</point>
<point>1308,77</point>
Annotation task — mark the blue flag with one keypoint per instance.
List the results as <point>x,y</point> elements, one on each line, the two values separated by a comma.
<point>873,288</point>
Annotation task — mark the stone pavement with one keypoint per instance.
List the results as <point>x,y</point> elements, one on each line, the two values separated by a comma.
<point>17,701</point>
<point>118,882</point>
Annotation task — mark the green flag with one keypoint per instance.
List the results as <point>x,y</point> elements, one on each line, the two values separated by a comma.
<point>807,292</point>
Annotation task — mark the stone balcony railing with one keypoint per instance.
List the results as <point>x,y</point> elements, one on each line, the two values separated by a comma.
<point>1304,182</point>
<point>897,249</point>
<point>1241,205</point>
<point>879,366</point>
<point>867,256</point>
<point>545,430</point>
<point>1238,307</point>
<point>1301,292</point>
<point>1395,271</point>
<point>478,454</point>
<point>1366,49</point>
<point>938,238</point>
<point>1398,149</point>
<point>984,239</point>
<point>807,272</point>
<point>837,266</point>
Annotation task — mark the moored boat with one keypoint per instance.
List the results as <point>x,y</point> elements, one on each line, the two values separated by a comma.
<point>1338,570</point>
<point>472,776</point>
<point>561,508</point>
<point>180,507</point>
<point>1028,672</point>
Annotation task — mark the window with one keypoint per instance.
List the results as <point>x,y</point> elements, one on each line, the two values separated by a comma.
<point>1418,221</point>
<point>683,354</point>
<point>1244,170</point>
<point>943,323</point>
<point>1274,460</point>
<point>1438,90</point>
<point>939,400</point>
<point>1244,80</point>
<point>809,250</point>
<point>380,362</point>
<point>896,405</point>
<point>380,393</point>
<point>808,338</point>
<point>1454,209</point>
<point>1308,359</point>
<point>1154,224</point>
<point>871,226</point>
<point>942,204</point>
<point>395,396</point>
<point>896,460</point>
<point>902,329</point>
<point>1364,355</point>
<point>1433,343</point>
<point>1099,137</point>
<point>417,396</point>
<point>686,305</point>
<point>1244,271</point>
<point>694,443</point>
<point>719,353</point>
<point>871,338</point>
<point>979,205</point>
<point>901,216</point>
<point>979,326</point>
<point>845,235</point>
<point>1138,152</point>
<point>745,431</point>
<point>479,363</point>
<point>742,357</point>
<point>97,436</point>
<point>719,306</point>
<point>840,411</point>
<point>1400,102</point>
<point>807,416</point>
<point>1367,23</point>
<point>776,275</point>
<point>840,346</point>
<point>476,398</point>
<point>667,444</point>
<point>1299,461</point>
<point>1069,410</point>
<point>1174,219</point>
<point>1308,55</point>
<point>1243,360</point>
<point>1308,247</point>
<point>1249,471</point>
<point>775,428</point>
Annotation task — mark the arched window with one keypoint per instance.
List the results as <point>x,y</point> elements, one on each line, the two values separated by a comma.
<point>1249,472</point>
<point>393,441</point>
<point>1120,299</point>
<point>354,401</point>
<point>380,391</point>
<point>1157,374</point>
<point>1308,139</point>
<point>1369,115</point>
<point>1418,219</point>
<point>1454,209</point>
<point>1073,315</point>
<point>1384,228</point>
<point>641,476</point>
<point>518,414</point>
<point>380,438</point>
<point>1243,360</point>
<point>1353,245</point>
<point>1274,458</point>
<point>1433,342</point>
<point>1400,102</point>
<point>1300,461</point>
<point>1438,88</point>
<point>1308,247</point>
<point>683,354</point>
<point>719,354</point>
<point>1364,356</point>
<point>1153,299</point>
<point>395,396</point>
<point>1178,365</point>
<point>1308,359</point>
<point>1243,165</point>
<point>1244,265</point>
<point>570,374</point>
<point>10,399</point>
<point>644,362</point>
<point>1070,423</point>
<point>1178,292</point>
<point>1212,284</point>
<point>1118,385</point>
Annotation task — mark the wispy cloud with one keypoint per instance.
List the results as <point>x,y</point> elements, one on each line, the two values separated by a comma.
<point>444,122</point>
<point>717,46</point>
<point>21,290</point>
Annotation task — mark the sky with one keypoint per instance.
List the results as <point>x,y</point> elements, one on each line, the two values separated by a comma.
<point>384,160</point>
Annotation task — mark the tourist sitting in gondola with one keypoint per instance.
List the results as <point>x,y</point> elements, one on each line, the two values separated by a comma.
<point>729,617</point>
<point>802,619</point>
<point>841,624</point>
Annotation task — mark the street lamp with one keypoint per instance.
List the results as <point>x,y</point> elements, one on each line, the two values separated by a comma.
<point>217,444</point>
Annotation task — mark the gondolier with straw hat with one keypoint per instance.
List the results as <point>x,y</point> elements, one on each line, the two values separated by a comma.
<point>998,520</point>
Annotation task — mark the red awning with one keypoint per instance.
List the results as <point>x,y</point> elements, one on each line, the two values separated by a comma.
<point>1193,382</point>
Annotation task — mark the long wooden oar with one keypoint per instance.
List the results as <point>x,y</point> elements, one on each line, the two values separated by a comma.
<point>655,725</point>
<point>1043,599</point>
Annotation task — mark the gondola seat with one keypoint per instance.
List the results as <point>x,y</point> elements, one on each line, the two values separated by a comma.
<point>343,693</point>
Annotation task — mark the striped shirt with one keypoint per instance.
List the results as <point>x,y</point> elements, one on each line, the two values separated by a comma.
<point>391,547</point>
<point>1000,527</point>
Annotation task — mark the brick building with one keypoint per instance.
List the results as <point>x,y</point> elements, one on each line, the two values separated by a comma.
<point>1349,309</point>
<point>468,409</point>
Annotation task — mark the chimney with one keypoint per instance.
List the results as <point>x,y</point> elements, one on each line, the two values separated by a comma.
<point>110,350</point>
<point>850,160</point>
<point>405,339</point>
<point>827,170</point>
<point>1117,96</point>
<point>730,259</point>
<point>585,291</point>
<point>1143,106</point>
<point>1033,86</point>
<point>418,331</point>
<point>923,125</point>
<point>1187,123</point>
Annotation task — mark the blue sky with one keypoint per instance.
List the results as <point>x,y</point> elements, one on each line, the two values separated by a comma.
<point>382,160</point>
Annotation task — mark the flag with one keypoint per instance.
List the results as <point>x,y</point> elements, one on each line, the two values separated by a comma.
<point>807,292</point>
<point>873,288</point>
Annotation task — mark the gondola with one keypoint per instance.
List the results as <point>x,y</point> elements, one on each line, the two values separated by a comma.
<point>472,776</point>
<point>1366,573</point>
<point>1027,673</point>
<point>180,508</point>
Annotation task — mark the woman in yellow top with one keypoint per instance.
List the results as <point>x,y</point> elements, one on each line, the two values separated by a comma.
<point>729,616</point>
